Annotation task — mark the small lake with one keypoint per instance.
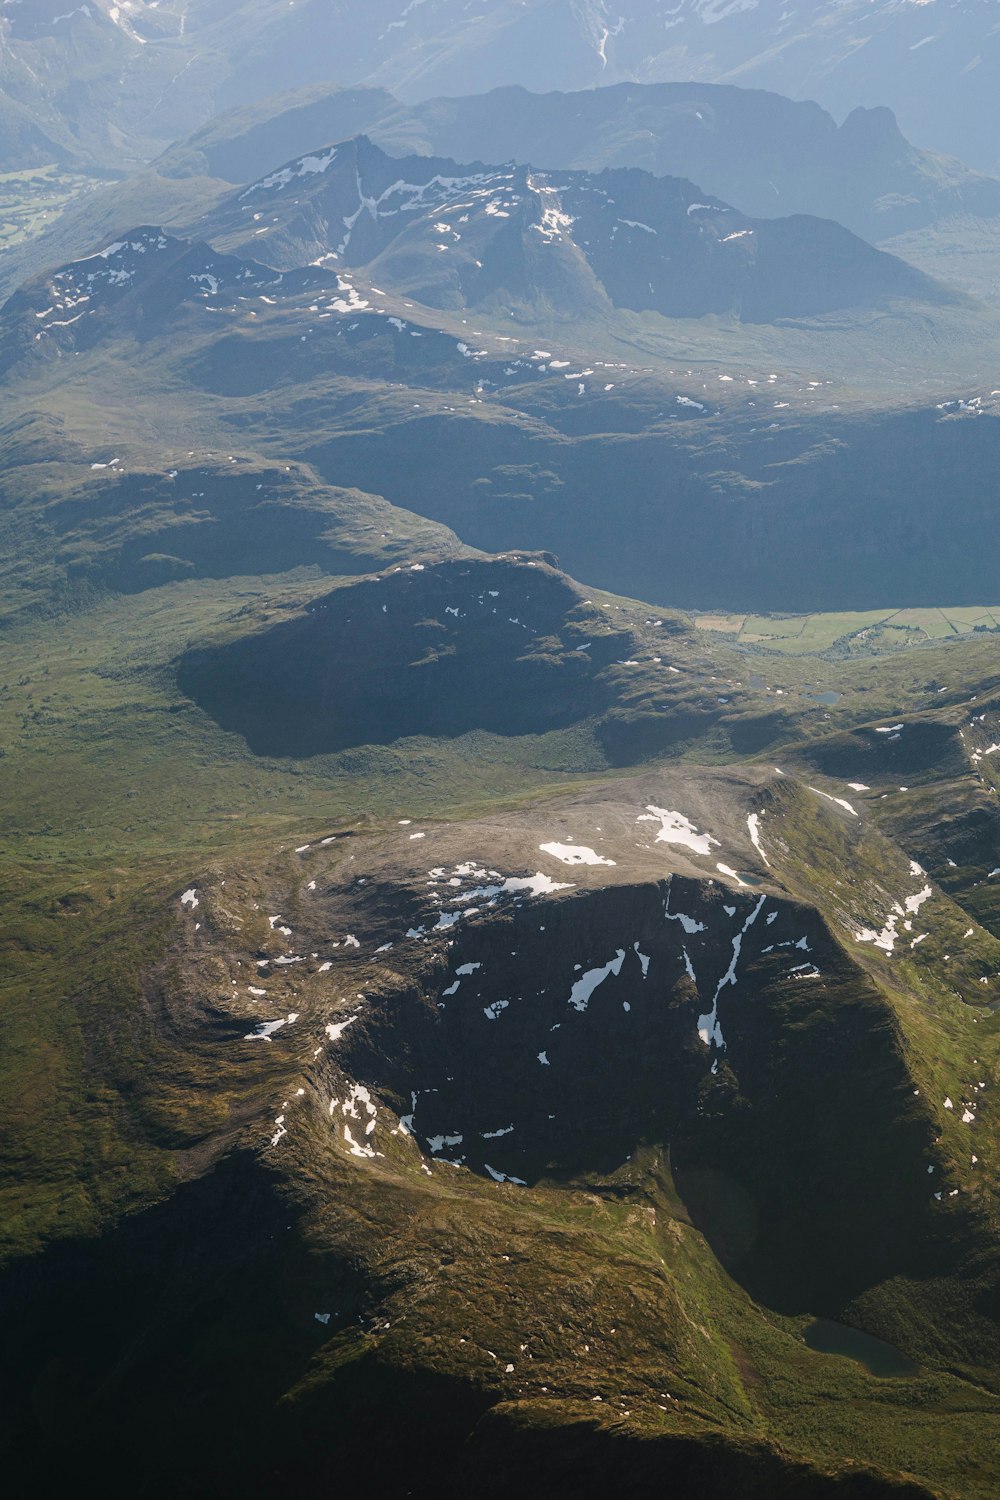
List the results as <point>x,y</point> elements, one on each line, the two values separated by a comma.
<point>878,1358</point>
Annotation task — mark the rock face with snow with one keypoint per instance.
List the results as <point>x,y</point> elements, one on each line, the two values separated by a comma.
<point>458,235</point>
<point>510,240</point>
<point>132,285</point>
<point>769,155</point>
<point>535,997</point>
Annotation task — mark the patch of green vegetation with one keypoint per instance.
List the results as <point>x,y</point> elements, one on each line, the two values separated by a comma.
<point>32,200</point>
<point>868,632</point>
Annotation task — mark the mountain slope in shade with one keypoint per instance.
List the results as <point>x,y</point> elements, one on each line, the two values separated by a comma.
<point>135,283</point>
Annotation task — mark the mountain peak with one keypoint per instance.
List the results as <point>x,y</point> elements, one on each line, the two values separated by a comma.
<point>454,234</point>
<point>868,130</point>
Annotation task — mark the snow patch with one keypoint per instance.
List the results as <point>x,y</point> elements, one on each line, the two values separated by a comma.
<point>585,986</point>
<point>575,854</point>
<point>675,828</point>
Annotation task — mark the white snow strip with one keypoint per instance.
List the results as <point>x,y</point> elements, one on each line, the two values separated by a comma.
<point>886,939</point>
<point>753,823</point>
<point>335,1030</point>
<point>266,1029</point>
<point>709,1029</point>
<point>689,924</point>
<point>840,801</point>
<point>519,1182</point>
<point>914,903</point>
<point>532,885</point>
<point>437,1143</point>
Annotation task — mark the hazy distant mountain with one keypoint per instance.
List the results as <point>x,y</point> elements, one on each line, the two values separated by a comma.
<point>763,154</point>
<point>111,82</point>
<point>766,154</point>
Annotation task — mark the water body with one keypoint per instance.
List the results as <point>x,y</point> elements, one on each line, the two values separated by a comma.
<point>878,1358</point>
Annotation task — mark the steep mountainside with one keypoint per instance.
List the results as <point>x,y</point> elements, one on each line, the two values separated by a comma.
<point>495,645</point>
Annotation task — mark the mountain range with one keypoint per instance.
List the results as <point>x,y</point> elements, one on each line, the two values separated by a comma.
<point>565,399</point>
<point>499,755</point>
<point>767,154</point>
<point>763,155</point>
<point>104,82</point>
